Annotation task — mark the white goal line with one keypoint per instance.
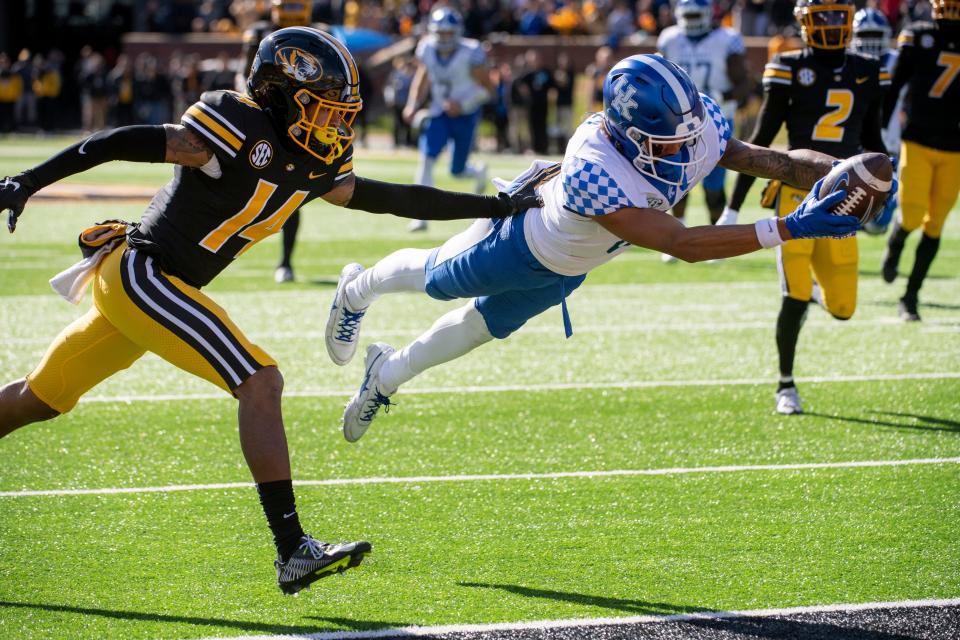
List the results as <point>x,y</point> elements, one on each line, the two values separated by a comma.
<point>492,477</point>
<point>417,631</point>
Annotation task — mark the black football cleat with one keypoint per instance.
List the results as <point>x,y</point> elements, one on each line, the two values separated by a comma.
<point>314,560</point>
<point>907,310</point>
<point>888,267</point>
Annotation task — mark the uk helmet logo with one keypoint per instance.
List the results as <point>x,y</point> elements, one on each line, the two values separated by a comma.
<point>298,64</point>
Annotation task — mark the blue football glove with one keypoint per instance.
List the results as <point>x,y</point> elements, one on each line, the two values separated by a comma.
<point>813,219</point>
<point>879,224</point>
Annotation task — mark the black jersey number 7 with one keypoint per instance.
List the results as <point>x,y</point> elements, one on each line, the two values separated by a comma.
<point>242,223</point>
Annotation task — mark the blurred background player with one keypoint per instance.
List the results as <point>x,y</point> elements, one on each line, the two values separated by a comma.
<point>871,36</point>
<point>283,13</point>
<point>830,100</point>
<point>929,67</point>
<point>713,56</point>
<point>453,69</point>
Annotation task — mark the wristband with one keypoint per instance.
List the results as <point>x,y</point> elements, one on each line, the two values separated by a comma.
<point>767,233</point>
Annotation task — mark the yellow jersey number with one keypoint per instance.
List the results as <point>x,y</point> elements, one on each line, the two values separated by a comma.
<point>829,127</point>
<point>239,224</point>
<point>951,62</point>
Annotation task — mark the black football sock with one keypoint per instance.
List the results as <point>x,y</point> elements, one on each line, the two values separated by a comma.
<point>891,254</point>
<point>289,233</point>
<point>278,504</point>
<point>926,251</point>
<point>792,314</point>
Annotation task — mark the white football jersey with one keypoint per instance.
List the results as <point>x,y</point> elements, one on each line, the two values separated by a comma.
<point>704,59</point>
<point>595,179</point>
<point>451,76</point>
<point>892,130</point>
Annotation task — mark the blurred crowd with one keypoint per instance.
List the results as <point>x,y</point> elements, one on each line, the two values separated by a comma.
<point>532,108</point>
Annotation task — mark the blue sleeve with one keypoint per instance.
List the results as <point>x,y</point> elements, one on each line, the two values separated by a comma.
<point>723,126</point>
<point>588,190</point>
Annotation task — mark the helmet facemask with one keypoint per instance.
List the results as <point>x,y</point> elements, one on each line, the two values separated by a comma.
<point>827,26</point>
<point>324,126</point>
<point>694,21</point>
<point>872,41</point>
<point>675,169</point>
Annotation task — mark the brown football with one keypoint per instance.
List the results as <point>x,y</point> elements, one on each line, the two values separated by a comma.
<point>867,179</point>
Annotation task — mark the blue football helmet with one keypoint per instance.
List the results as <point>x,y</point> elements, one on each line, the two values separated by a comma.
<point>650,103</point>
<point>871,32</point>
<point>694,17</point>
<point>446,28</point>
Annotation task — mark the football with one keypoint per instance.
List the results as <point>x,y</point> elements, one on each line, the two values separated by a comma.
<point>867,179</point>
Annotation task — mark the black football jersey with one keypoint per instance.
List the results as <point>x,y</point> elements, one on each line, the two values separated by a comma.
<point>929,64</point>
<point>826,107</point>
<point>197,223</point>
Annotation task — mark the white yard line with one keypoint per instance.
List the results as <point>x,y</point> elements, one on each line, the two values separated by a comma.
<point>550,386</point>
<point>495,476</point>
<point>416,631</point>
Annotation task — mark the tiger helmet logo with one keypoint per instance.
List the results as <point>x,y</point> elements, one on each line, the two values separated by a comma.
<point>298,64</point>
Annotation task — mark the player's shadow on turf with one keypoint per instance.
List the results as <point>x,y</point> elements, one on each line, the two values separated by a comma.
<point>244,625</point>
<point>927,423</point>
<point>323,282</point>
<point>619,604</point>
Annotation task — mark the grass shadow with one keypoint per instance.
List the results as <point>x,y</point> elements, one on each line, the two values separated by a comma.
<point>243,625</point>
<point>908,421</point>
<point>636,607</point>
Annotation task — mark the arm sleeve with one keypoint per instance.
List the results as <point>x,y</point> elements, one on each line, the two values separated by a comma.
<point>902,70</point>
<point>773,112</point>
<point>138,143</point>
<point>871,137</point>
<point>425,203</point>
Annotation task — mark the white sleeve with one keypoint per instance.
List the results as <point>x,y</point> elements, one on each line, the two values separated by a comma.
<point>588,190</point>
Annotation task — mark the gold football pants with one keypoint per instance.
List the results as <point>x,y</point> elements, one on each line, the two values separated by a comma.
<point>929,184</point>
<point>832,262</point>
<point>138,308</point>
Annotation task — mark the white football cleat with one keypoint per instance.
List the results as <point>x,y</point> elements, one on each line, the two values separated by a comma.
<point>283,274</point>
<point>365,403</point>
<point>417,225</point>
<point>788,401</point>
<point>481,176</point>
<point>343,323</point>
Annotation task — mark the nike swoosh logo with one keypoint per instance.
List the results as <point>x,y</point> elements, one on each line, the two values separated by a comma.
<point>314,176</point>
<point>80,150</point>
<point>289,515</point>
<point>863,79</point>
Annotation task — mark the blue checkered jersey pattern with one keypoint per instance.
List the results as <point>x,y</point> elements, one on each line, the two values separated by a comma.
<point>589,190</point>
<point>724,128</point>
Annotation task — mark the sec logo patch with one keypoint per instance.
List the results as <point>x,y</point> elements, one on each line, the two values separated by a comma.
<point>806,76</point>
<point>261,154</point>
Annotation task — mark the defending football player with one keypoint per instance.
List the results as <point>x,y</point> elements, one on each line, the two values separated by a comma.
<point>283,13</point>
<point>624,168</point>
<point>245,163</point>
<point>713,57</point>
<point>453,69</point>
<point>929,66</point>
<point>871,35</point>
<point>830,100</point>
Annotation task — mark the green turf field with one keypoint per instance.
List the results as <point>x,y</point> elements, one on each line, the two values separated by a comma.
<point>671,368</point>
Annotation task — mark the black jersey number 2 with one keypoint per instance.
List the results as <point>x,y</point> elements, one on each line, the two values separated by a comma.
<point>241,223</point>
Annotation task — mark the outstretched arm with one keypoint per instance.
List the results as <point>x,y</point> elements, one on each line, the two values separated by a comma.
<point>427,203</point>
<point>659,231</point>
<point>140,143</point>
<point>800,168</point>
